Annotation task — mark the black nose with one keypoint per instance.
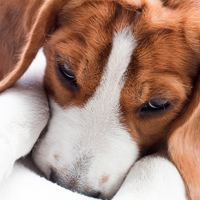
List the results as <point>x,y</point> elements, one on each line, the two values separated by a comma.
<point>94,195</point>
<point>72,185</point>
<point>53,177</point>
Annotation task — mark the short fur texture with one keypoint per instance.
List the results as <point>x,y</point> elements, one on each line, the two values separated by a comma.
<point>80,33</point>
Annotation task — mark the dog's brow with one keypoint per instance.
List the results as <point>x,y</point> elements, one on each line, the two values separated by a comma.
<point>67,57</point>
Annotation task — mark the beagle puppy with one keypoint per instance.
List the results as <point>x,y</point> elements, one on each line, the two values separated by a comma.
<point>122,81</point>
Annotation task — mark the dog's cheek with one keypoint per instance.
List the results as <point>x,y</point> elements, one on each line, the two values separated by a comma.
<point>42,156</point>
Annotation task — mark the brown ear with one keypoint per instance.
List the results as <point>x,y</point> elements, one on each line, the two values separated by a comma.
<point>184,145</point>
<point>42,26</point>
<point>184,138</point>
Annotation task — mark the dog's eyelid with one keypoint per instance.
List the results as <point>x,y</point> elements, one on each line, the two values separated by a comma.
<point>155,107</point>
<point>69,66</point>
<point>156,102</point>
<point>65,70</point>
<point>68,73</point>
<point>62,60</point>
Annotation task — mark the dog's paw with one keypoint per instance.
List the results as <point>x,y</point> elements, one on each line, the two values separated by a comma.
<point>6,159</point>
<point>153,177</point>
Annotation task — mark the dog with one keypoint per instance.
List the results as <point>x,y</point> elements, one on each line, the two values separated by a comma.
<point>122,82</point>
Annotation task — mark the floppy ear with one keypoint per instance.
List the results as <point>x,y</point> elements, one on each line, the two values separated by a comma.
<point>184,139</point>
<point>184,145</point>
<point>43,24</point>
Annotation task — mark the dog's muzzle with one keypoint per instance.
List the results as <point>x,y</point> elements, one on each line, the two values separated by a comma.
<point>73,185</point>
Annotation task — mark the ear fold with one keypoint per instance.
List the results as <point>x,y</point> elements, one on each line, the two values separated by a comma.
<point>184,145</point>
<point>184,139</point>
<point>42,26</point>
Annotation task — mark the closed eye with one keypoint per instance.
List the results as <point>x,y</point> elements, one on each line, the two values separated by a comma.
<point>155,107</point>
<point>66,75</point>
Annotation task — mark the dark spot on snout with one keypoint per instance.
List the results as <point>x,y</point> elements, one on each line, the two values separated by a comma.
<point>72,185</point>
<point>95,195</point>
<point>53,177</point>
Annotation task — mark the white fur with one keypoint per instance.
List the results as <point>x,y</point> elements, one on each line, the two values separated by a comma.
<point>153,178</point>
<point>91,142</point>
<point>24,114</point>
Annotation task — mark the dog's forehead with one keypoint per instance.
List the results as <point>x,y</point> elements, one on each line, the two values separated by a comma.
<point>84,37</point>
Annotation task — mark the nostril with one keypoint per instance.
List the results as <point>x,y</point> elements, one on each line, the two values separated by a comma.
<point>53,177</point>
<point>72,185</point>
<point>95,195</point>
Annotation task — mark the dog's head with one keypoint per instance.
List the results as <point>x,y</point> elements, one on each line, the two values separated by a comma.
<point>118,74</point>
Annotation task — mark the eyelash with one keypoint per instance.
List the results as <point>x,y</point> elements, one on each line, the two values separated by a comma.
<point>156,103</point>
<point>67,77</point>
<point>67,73</point>
<point>155,107</point>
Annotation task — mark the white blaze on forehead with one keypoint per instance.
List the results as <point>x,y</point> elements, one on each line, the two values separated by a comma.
<point>113,76</point>
<point>93,135</point>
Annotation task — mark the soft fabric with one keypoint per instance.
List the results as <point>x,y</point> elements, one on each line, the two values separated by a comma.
<point>25,184</point>
<point>152,178</point>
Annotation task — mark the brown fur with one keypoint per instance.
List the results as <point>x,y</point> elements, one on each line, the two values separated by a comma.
<point>92,37</point>
<point>184,148</point>
<point>164,65</point>
<point>42,25</point>
<point>13,32</point>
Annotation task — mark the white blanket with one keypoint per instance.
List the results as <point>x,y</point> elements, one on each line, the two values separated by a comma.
<point>25,184</point>
<point>152,178</point>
